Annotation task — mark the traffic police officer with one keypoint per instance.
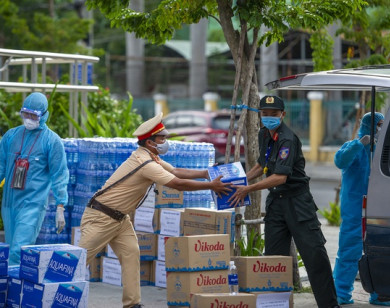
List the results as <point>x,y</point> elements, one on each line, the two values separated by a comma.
<point>106,220</point>
<point>290,208</point>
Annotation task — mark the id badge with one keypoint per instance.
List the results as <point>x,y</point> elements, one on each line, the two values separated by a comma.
<point>20,173</point>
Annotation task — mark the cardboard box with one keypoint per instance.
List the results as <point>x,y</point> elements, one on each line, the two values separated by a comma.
<point>233,173</point>
<point>146,219</point>
<point>15,284</point>
<point>160,274</point>
<point>197,252</point>
<point>53,263</point>
<point>76,235</point>
<point>4,251</point>
<point>46,295</point>
<point>198,221</point>
<point>147,243</point>
<point>146,272</point>
<point>111,271</point>
<point>171,222</point>
<point>180,285</point>
<point>168,197</point>
<point>150,200</point>
<point>94,270</point>
<point>3,284</point>
<point>264,273</point>
<point>274,299</point>
<point>109,253</point>
<point>161,247</point>
<point>217,300</point>
<point>3,299</point>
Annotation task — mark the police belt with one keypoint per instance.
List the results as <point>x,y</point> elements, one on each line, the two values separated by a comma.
<point>115,214</point>
<point>289,193</point>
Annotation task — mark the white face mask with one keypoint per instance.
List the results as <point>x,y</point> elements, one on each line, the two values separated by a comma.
<point>162,148</point>
<point>30,124</point>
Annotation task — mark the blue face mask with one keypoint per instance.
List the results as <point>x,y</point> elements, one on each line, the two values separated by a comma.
<point>271,122</point>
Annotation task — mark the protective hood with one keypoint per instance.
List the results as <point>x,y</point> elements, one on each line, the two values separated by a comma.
<point>38,101</point>
<point>365,123</point>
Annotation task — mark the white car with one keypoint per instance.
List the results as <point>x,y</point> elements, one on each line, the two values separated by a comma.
<point>374,267</point>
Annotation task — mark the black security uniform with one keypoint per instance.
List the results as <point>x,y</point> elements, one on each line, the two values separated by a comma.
<point>291,211</point>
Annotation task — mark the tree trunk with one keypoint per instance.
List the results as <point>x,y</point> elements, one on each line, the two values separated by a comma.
<point>252,118</point>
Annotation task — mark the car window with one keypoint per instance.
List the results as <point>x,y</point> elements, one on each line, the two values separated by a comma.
<point>169,122</point>
<point>184,121</point>
<point>221,123</point>
<point>199,121</point>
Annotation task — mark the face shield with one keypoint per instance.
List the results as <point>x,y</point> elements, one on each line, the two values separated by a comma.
<point>31,114</point>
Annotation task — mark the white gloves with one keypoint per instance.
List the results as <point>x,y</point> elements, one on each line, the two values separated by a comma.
<point>60,219</point>
<point>365,139</point>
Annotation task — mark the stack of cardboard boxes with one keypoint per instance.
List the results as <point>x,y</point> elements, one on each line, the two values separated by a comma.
<point>48,276</point>
<point>53,275</point>
<point>4,254</point>
<point>196,264</point>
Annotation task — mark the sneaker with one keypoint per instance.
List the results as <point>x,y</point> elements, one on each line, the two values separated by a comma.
<point>138,306</point>
<point>344,301</point>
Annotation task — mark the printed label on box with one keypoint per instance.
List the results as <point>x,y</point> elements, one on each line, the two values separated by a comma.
<point>143,220</point>
<point>170,222</point>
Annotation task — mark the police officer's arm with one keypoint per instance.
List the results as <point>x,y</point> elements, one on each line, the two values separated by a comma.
<point>191,185</point>
<point>242,191</point>
<point>182,173</point>
<point>255,172</point>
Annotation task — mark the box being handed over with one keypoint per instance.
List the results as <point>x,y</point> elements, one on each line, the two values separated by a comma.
<point>233,173</point>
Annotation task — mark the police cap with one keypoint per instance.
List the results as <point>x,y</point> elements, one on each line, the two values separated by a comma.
<point>271,102</point>
<point>151,127</point>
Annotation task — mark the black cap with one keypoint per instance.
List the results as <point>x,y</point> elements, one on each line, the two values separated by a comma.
<point>271,102</point>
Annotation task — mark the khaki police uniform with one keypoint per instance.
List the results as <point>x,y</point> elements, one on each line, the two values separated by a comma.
<point>291,211</point>
<point>98,229</point>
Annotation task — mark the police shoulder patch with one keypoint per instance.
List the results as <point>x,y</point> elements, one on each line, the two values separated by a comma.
<point>284,152</point>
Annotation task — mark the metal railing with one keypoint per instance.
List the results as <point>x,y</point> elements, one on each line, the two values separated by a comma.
<point>34,67</point>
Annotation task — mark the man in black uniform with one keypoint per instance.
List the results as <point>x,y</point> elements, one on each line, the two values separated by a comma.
<point>290,208</point>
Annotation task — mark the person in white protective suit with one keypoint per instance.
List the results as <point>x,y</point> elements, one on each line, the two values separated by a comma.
<point>32,161</point>
<point>353,158</point>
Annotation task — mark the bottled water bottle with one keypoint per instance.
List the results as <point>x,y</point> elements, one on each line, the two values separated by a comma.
<point>233,278</point>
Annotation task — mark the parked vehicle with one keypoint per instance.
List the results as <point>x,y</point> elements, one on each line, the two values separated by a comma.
<point>374,267</point>
<point>203,126</point>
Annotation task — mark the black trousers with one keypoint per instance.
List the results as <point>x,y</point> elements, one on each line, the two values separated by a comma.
<point>296,217</point>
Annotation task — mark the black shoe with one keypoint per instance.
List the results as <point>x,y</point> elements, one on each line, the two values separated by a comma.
<point>336,306</point>
<point>138,306</point>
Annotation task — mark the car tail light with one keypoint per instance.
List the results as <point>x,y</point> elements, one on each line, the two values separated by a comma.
<point>289,77</point>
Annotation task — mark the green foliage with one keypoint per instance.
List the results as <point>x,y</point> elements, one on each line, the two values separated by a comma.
<point>158,24</point>
<point>10,106</point>
<point>368,28</point>
<point>332,215</point>
<point>322,44</point>
<point>252,245</point>
<point>106,117</point>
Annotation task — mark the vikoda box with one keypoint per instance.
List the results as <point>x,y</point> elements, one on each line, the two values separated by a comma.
<point>180,285</point>
<point>232,173</point>
<point>47,295</point>
<point>52,263</point>
<point>264,273</point>
<point>197,253</point>
<point>222,300</point>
